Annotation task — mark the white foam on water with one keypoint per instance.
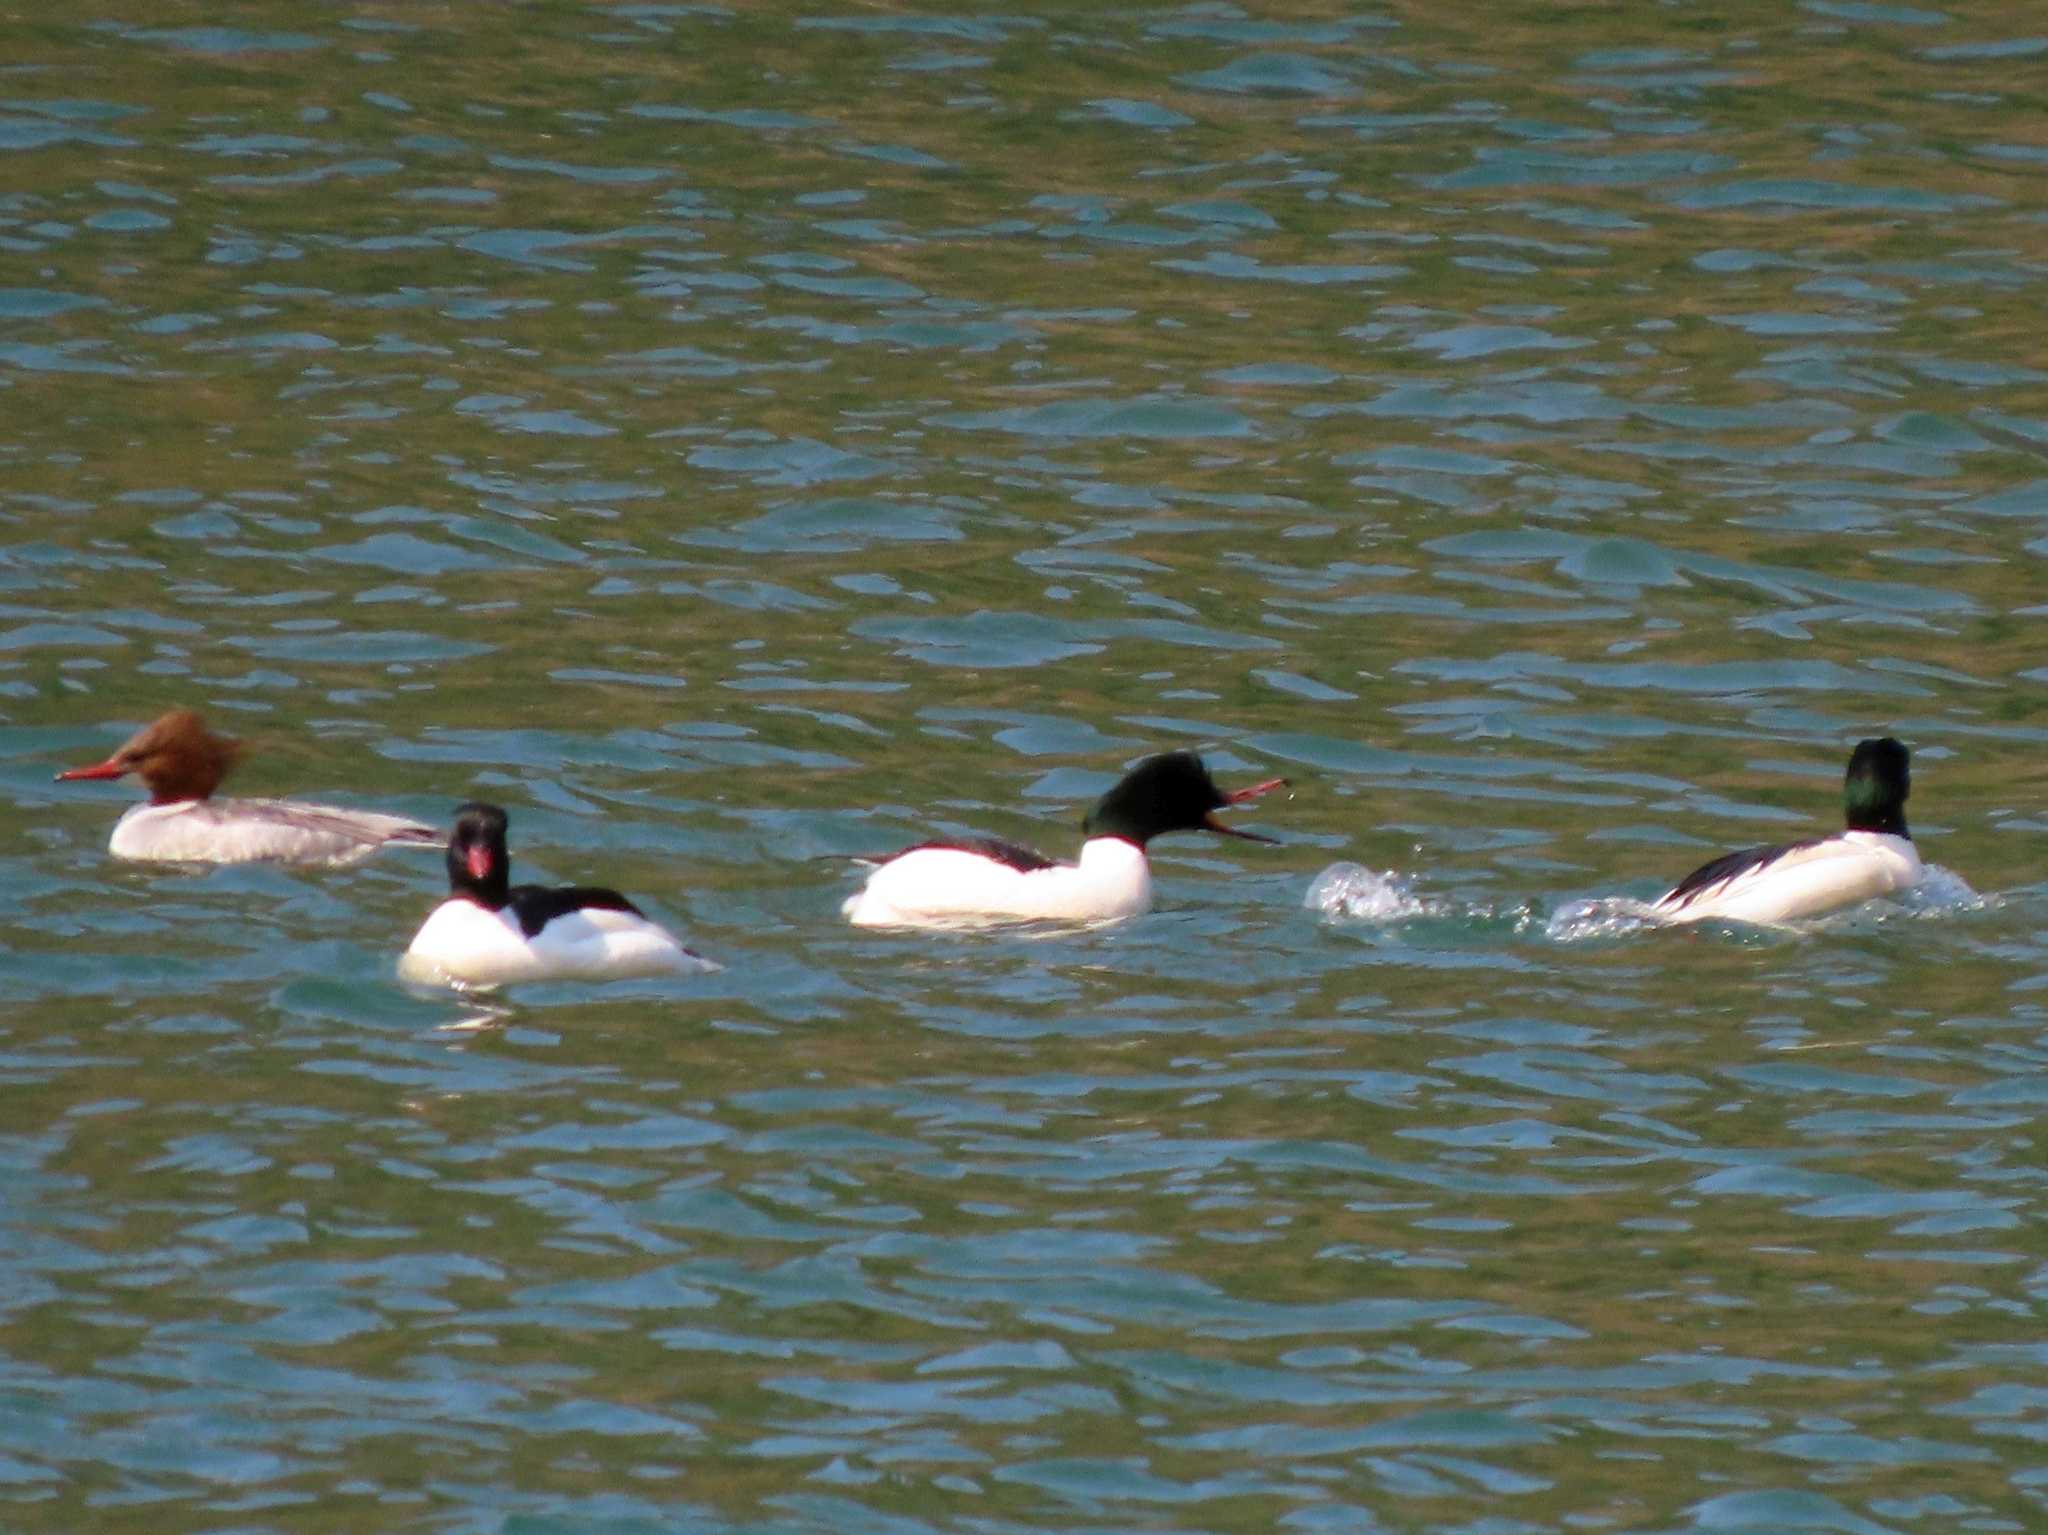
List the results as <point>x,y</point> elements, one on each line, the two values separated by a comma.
<point>1601,917</point>
<point>1350,892</point>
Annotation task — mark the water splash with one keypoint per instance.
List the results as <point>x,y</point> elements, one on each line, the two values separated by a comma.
<point>1600,918</point>
<point>1941,892</point>
<point>1350,892</point>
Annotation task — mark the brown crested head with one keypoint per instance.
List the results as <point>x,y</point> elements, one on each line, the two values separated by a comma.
<point>175,756</point>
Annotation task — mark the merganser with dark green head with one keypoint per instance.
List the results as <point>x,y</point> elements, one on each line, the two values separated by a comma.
<point>980,880</point>
<point>1874,855</point>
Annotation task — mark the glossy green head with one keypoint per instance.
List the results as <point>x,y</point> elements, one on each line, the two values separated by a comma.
<point>1875,788</point>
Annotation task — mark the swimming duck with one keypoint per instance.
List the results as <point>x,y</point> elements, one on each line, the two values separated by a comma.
<point>490,932</point>
<point>181,763</point>
<point>954,881</point>
<point>1874,855</point>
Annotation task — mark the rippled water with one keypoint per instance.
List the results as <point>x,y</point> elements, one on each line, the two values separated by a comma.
<point>734,435</point>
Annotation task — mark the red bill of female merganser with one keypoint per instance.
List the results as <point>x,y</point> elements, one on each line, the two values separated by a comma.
<point>490,932</point>
<point>181,763</point>
<point>1873,856</point>
<point>948,883</point>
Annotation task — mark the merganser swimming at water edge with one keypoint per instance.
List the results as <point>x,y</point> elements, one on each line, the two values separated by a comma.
<point>1873,856</point>
<point>949,883</point>
<point>490,932</point>
<point>181,763</point>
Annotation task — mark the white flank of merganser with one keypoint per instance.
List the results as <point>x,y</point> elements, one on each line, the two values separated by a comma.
<point>490,932</point>
<point>1874,856</point>
<point>932,886</point>
<point>973,881</point>
<point>181,763</point>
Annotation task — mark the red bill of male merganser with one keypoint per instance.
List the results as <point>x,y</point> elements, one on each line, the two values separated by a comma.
<point>490,932</point>
<point>181,763</point>
<point>948,883</point>
<point>1873,856</point>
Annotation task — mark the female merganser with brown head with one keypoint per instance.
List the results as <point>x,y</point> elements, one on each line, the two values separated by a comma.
<point>1873,856</point>
<point>949,883</point>
<point>490,932</point>
<point>181,763</point>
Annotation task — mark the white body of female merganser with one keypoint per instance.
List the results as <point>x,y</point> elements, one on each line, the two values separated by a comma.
<point>1873,856</point>
<point>939,884</point>
<point>490,932</point>
<point>181,763</point>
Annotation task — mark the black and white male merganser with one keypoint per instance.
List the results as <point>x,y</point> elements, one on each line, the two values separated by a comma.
<point>1873,856</point>
<point>490,932</point>
<point>181,763</point>
<point>949,883</point>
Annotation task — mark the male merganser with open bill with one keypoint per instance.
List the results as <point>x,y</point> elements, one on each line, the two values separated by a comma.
<point>1873,856</point>
<point>181,763</point>
<point>951,883</point>
<point>490,932</point>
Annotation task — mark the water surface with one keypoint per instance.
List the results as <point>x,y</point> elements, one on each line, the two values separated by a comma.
<point>729,436</point>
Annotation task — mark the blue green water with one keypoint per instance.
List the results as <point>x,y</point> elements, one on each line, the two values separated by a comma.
<point>729,436</point>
